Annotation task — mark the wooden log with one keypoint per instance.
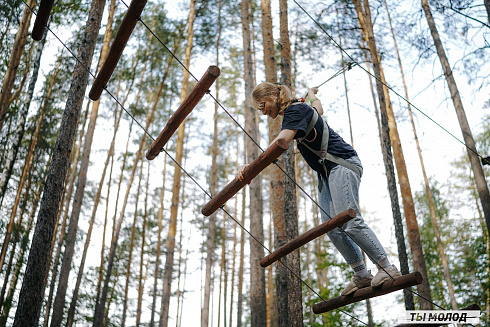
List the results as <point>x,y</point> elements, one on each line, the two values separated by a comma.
<point>250,172</point>
<point>42,18</point>
<point>313,233</point>
<point>183,111</point>
<point>389,286</point>
<point>125,30</point>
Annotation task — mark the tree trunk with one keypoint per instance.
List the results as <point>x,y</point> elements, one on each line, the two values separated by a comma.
<point>142,253</point>
<point>213,182</point>
<point>15,56</point>
<point>19,133</point>
<point>14,148</point>
<point>167,278</point>
<point>365,22</point>
<point>160,209</point>
<point>487,6</point>
<point>59,302</point>
<point>99,309</point>
<point>428,191</point>
<point>110,154</point>
<point>7,304</point>
<point>240,267</point>
<point>295,307</point>
<point>7,25</point>
<point>17,230</point>
<point>393,192</point>
<point>223,273</point>
<point>159,242</point>
<point>131,246</point>
<point>31,295</point>
<point>233,260</point>
<point>408,204</point>
<point>66,199</point>
<point>257,274</point>
<point>179,264</point>
<point>480,181</point>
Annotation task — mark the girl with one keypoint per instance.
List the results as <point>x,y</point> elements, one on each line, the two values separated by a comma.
<point>339,176</point>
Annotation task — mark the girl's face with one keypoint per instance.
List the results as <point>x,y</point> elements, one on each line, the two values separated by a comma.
<point>269,106</point>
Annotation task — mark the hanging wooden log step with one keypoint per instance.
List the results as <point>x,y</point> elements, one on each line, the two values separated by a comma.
<point>250,172</point>
<point>399,283</point>
<point>183,111</point>
<point>310,235</point>
<point>42,18</point>
<point>125,30</point>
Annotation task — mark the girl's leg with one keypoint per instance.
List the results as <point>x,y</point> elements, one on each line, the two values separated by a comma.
<point>344,244</point>
<point>344,190</point>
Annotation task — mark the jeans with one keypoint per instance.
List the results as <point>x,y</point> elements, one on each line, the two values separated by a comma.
<point>341,192</point>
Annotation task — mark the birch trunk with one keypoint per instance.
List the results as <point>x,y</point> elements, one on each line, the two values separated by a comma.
<point>170,244</point>
<point>31,295</point>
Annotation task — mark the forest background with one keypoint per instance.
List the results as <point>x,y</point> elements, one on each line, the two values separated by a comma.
<point>121,186</point>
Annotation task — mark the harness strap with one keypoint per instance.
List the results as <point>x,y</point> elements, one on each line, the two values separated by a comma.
<point>323,154</point>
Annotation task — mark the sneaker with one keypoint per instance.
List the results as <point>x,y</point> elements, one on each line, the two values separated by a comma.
<point>385,275</point>
<point>357,283</point>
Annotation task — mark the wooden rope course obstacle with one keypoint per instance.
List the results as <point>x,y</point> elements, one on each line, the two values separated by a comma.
<point>42,18</point>
<point>369,292</point>
<point>310,235</point>
<point>125,30</point>
<point>183,111</point>
<point>250,172</point>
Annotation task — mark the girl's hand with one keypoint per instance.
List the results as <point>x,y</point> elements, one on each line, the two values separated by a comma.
<point>239,173</point>
<point>312,91</point>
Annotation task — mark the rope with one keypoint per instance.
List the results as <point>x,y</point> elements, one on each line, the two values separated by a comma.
<point>389,87</point>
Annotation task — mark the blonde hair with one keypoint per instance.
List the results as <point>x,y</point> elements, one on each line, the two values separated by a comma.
<point>265,90</point>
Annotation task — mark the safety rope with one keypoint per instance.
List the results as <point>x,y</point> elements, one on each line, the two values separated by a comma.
<point>389,87</point>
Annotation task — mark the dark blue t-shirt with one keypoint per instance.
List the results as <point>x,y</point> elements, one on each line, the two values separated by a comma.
<point>297,117</point>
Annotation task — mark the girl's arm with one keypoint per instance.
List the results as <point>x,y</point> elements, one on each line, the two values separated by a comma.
<point>286,135</point>
<point>313,100</point>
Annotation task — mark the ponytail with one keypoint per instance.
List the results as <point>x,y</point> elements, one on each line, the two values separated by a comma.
<point>264,90</point>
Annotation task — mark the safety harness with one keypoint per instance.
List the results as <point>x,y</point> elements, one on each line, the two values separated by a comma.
<point>322,154</point>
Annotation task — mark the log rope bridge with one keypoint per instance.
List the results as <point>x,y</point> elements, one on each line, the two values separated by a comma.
<point>267,157</point>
